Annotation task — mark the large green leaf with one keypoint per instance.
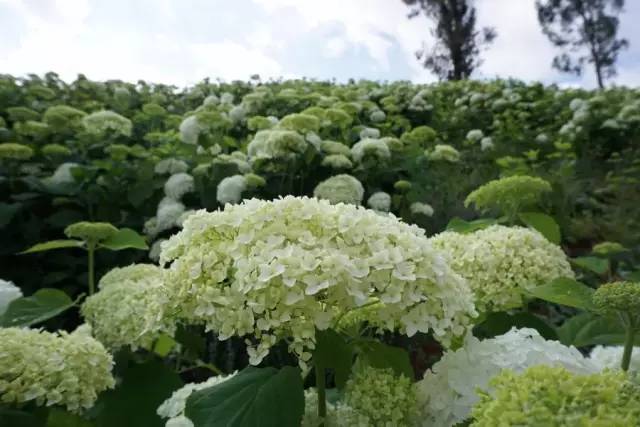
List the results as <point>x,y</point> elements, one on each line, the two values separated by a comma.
<point>333,352</point>
<point>125,238</point>
<point>54,244</point>
<point>134,402</point>
<point>565,291</point>
<point>254,397</point>
<point>597,265</point>
<point>61,418</point>
<point>7,212</point>
<point>140,192</point>
<point>500,323</point>
<point>31,416</point>
<point>544,224</point>
<point>42,305</point>
<point>379,355</point>
<point>587,329</point>
<point>459,225</point>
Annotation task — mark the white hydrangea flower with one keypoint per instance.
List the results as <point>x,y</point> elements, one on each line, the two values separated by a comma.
<point>443,152</point>
<point>502,263</point>
<point>230,189</point>
<point>190,130</point>
<point>8,293</point>
<point>124,312</point>
<point>542,138</point>
<point>372,133</point>
<point>280,269</point>
<point>421,208</point>
<point>182,218</point>
<point>276,144</point>
<point>611,124</point>
<point>486,143</point>
<point>237,114</point>
<point>610,357</point>
<point>448,390</point>
<point>226,98</point>
<point>370,148</point>
<point>380,201</point>
<point>62,174</point>
<point>168,213</point>
<point>377,116</point>
<point>174,407</point>
<point>475,135</point>
<point>178,185</point>
<point>577,104</point>
<point>100,122</point>
<point>340,189</point>
<point>154,251</point>
<point>337,162</point>
<point>170,166</point>
<point>211,100</point>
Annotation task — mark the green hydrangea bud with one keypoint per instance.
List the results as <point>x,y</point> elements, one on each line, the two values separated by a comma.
<point>117,151</point>
<point>90,231</point>
<point>553,396</point>
<point>608,248</point>
<point>254,181</point>
<point>402,186</point>
<point>340,189</point>
<point>508,194</point>
<point>56,151</point>
<point>13,151</point>
<point>618,297</point>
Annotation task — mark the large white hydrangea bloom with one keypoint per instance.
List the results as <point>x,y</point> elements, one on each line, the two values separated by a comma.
<point>8,293</point>
<point>447,392</point>
<point>341,188</point>
<point>190,130</point>
<point>380,201</point>
<point>276,144</point>
<point>124,312</point>
<point>230,189</point>
<point>170,166</point>
<point>280,269</point>
<point>101,122</point>
<point>178,185</point>
<point>370,148</point>
<point>610,357</point>
<point>62,369</point>
<point>502,263</point>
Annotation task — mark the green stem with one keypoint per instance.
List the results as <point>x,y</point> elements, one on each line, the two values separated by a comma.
<point>628,347</point>
<point>91,249</point>
<point>322,393</point>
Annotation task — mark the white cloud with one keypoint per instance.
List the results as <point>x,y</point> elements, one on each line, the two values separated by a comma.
<point>335,47</point>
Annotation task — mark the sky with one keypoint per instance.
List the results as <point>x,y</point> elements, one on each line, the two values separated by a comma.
<point>181,42</point>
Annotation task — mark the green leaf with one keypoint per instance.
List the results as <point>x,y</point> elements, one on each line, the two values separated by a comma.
<point>163,345</point>
<point>31,416</point>
<point>379,355</point>
<point>333,352</point>
<point>42,305</point>
<point>7,212</point>
<point>125,238</point>
<point>588,329</point>
<point>459,225</point>
<point>565,291</point>
<point>61,418</point>
<point>500,323</point>
<point>544,224</point>
<point>254,397</point>
<point>140,192</point>
<point>54,244</point>
<point>134,402</point>
<point>597,265</point>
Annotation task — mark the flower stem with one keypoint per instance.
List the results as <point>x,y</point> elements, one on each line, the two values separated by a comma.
<point>322,394</point>
<point>91,249</point>
<point>628,347</point>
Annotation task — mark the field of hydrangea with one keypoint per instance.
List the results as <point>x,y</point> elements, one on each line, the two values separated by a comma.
<point>306,253</point>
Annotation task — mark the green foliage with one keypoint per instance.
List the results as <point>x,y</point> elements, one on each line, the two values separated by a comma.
<point>566,291</point>
<point>41,306</point>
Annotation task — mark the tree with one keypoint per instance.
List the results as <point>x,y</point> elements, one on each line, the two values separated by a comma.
<point>458,43</point>
<point>587,30</point>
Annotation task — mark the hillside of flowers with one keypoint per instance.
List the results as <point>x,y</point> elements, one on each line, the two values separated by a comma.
<point>308,253</point>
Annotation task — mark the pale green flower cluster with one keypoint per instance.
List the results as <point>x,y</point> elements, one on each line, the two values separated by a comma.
<point>124,312</point>
<point>340,189</point>
<point>544,396</point>
<point>8,293</point>
<point>13,151</point>
<point>380,201</point>
<point>509,194</point>
<point>448,391</point>
<point>178,185</point>
<point>443,152</point>
<point>230,189</point>
<point>90,231</point>
<point>502,263</point>
<point>369,148</point>
<point>337,162</point>
<point>276,144</point>
<point>62,369</point>
<point>101,122</point>
<point>338,414</point>
<point>608,248</point>
<point>618,297</point>
<point>418,208</point>
<point>280,269</point>
<point>381,396</point>
<point>170,166</point>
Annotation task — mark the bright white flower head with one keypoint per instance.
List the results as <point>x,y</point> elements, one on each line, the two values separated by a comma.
<point>370,148</point>
<point>170,166</point>
<point>369,133</point>
<point>211,100</point>
<point>421,208</point>
<point>276,144</point>
<point>67,370</point>
<point>168,213</point>
<point>237,114</point>
<point>8,293</point>
<point>448,390</point>
<point>100,122</point>
<point>380,201</point>
<point>377,116</point>
<point>62,174</point>
<point>124,311</point>
<point>230,189</point>
<point>502,263</point>
<point>280,269</point>
<point>486,143</point>
<point>154,251</point>
<point>475,135</point>
<point>340,189</point>
<point>190,130</point>
<point>178,185</point>
<point>443,152</point>
<point>610,357</point>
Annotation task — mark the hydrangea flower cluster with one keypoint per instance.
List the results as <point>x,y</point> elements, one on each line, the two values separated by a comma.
<point>509,194</point>
<point>380,201</point>
<point>90,231</point>
<point>124,311</point>
<point>448,391</point>
<point>421,208</point>
<point>340,189</point>
<point>230,189</point>
<point>280,269</point>
<point>369,148</point>
<point>13,151</point>
<point>8,293</point>
<point>190,130</point>
<point>502,263</point>
<point>609,357</point>
<point>382,397</point>
<point>171,166</point>
<point>68,370</point>
<point>443,152</point>
<point>102,122</point>
<point>276,144</point>
<point>544,396</point>
<point>62,175</point>
<point>178,185</point>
